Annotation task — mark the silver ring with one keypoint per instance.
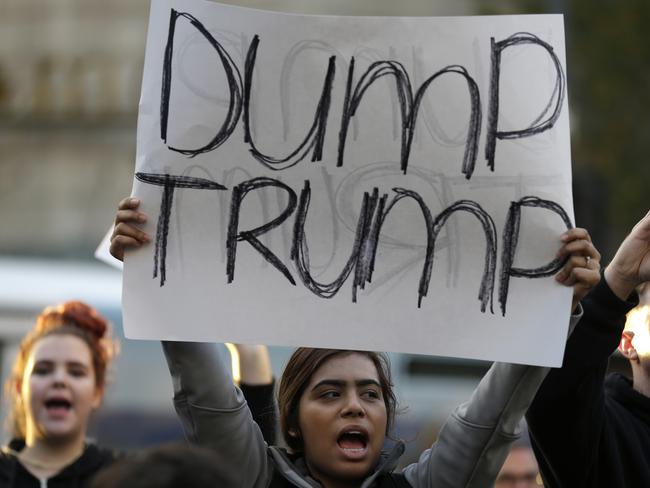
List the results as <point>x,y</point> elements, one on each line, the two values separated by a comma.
<point>588,258</point>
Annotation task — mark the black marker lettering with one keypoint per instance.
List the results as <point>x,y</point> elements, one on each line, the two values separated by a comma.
<point>169,184</point>
<point>250,236</point>
<point>315,136</point>
<point>434,226</point>
<point>300,249</point>
<point>409,106</point>
<point>510,238</point>
<point>489,268</point>
<point>234,86</point>
<point>538,125</point>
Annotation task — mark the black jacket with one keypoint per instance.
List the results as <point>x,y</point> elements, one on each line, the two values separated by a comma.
<point>79,474</point>
<point>589,430</point>
<point>262,404</point>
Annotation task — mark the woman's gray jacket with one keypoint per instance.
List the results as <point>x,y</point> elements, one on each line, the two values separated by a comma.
<point>471,447</point>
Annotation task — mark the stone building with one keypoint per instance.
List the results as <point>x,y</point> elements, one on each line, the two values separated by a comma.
<point>70,74</point>
<point>69,84</point>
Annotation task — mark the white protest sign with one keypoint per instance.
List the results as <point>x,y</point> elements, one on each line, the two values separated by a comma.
<point>394,184</point>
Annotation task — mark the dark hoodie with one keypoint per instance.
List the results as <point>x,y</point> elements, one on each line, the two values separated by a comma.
<point>79,474</point>
<point>589,430</point>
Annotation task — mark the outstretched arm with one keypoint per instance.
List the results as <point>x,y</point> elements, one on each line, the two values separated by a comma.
<point>476,438</point>
<point>567,417</point>
<point>631,264</point>
<point>214,413</point>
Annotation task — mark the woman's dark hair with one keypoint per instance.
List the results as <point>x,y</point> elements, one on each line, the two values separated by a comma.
<point>69,318</point>
<point>298,372</point>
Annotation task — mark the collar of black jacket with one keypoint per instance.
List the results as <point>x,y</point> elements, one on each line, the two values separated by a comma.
<point>620,388</point>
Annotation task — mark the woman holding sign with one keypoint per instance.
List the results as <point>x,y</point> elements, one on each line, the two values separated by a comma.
<point>337,407</point>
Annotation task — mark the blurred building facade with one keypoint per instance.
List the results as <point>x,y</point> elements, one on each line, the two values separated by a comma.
<point>69,85</point>
<point>70,75</point>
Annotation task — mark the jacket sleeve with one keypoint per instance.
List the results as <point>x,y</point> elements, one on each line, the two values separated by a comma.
<point>567,416</point>
<point>263,409</point>
<point>214,414</point>
<point>475,440</point>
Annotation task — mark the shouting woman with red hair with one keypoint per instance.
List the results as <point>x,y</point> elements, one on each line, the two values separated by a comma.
<point>58,380</point>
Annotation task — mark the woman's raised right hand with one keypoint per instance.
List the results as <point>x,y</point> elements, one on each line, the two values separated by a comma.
<point>126,233</point>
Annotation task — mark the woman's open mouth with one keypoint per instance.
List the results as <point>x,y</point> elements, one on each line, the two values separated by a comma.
<point>353,443</point>
<point>58,407</point>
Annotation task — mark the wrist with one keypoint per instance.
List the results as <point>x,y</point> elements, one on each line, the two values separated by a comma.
<point>254,364</point>
<point>620,285</point>
<point>250,352</point>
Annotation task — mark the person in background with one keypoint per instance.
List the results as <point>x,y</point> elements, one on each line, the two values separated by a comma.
<point>520,469</point>
<point>589,429</point>
<point>168,466</point>
<point>336,407</point>
<point>58,380</point>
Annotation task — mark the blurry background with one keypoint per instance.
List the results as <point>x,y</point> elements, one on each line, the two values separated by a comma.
<point>70,75</point>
